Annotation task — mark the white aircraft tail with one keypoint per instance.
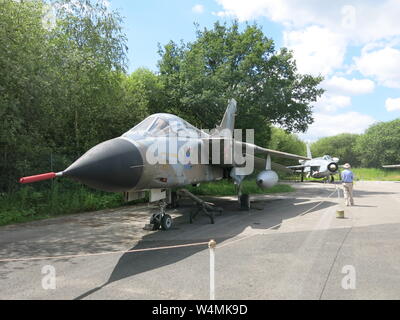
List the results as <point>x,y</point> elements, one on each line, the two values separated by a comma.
<point>228,121</point>
<point>309,155</point>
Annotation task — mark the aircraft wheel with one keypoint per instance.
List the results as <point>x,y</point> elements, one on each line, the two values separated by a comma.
<point>166,222</point>
<point>245,202</point>
<point>155,221</point>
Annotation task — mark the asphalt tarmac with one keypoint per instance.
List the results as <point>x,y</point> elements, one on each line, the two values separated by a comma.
<point>288,246</point>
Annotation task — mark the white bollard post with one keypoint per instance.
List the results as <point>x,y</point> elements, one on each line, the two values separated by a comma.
<point>212,244</point>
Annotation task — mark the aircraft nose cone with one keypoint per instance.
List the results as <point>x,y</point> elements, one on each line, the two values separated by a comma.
<point>115,165</point>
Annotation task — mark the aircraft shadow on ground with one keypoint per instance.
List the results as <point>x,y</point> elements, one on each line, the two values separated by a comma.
<point>362,193</point>
<point>357,193</point>
<point>230,224</point>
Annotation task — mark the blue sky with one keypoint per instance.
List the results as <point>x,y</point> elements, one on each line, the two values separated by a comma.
<point>355,45</point>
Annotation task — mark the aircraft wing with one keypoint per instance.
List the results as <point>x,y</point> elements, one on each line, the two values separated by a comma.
<point>392,166</point>
<point>261,163</point>
<point>250,151</point>
<point>280,154</point>
<point>299,167</point>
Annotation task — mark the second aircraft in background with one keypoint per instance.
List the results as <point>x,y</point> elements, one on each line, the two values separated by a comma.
<point>321,168</point>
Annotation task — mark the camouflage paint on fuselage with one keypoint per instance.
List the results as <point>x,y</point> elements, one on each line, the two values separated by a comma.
<point>175,135</point>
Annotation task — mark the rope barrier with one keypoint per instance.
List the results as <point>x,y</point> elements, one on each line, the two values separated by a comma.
<point>104,253</point>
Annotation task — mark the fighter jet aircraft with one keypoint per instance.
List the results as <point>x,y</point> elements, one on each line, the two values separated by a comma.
<point>164,152</point>
<point>319,168</point>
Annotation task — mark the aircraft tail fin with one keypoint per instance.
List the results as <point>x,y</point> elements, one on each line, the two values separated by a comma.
<point>309,155</point>
<point>228,121</point>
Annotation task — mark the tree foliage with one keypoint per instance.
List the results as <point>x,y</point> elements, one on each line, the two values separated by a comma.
<point>63,84</point>
<point>341,146</point>
<point>286,142</point>
<point>379,145</point>
<point>223,62</point>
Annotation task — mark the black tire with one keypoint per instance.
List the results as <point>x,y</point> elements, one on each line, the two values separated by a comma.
<point>155,222</point>
<point>245,202</point>
<point>166,222</point>
<point>156,226</point>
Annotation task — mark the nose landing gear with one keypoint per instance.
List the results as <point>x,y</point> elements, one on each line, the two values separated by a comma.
<point>160,219</point>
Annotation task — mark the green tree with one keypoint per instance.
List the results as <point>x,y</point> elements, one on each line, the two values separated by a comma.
<point>90,54</point>
<point>286,142</point>
<point>224,62</point>
<point>61,87</point>
<point>341,146</point>
<point>23,86</point>
<point>149,84</point>
<point>379,145</point>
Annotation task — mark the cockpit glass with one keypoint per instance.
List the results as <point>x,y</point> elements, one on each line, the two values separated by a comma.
<point>163,126</point>
<point>143,126</point>
<point>158,125</point>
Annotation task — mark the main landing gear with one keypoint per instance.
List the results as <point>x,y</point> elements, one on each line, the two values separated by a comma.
<point>164,221</point>
<point>202,206</point>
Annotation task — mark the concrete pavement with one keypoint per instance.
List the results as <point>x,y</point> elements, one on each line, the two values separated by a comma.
<point>289,246</point>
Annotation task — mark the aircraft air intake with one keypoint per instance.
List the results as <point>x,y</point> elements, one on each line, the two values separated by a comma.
<point>333,167</point>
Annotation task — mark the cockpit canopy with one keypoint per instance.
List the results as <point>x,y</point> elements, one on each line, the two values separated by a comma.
<point>328,158</point>
<point>163,124</point>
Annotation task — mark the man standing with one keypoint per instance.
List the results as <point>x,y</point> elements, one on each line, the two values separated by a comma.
<point>347,179</point>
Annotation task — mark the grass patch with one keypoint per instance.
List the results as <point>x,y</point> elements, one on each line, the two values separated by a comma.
<point>227,188</point>
<point>373,174</point>
<point>32,202</point>
<point>368,174</point>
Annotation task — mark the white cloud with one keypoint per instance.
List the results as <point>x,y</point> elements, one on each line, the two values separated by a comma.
<point>330,103</point>
<point>319,32</point>
<point>382,64</point>
<point>316,50</point>
<point>363,20</point>
<point>279,11</point>
<point>198,8</point>
<point>340,85</point>
<point>330,125</point>
<point>223,14</point>
<point>392,104</point>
